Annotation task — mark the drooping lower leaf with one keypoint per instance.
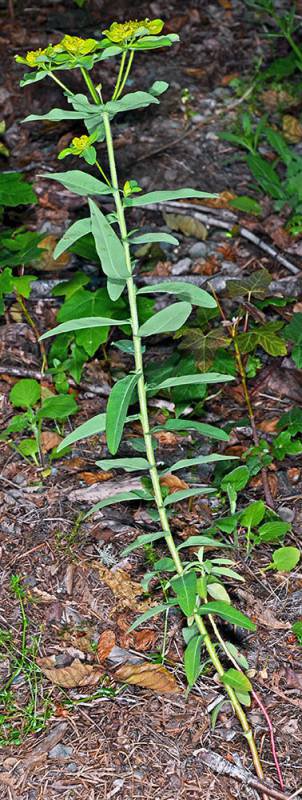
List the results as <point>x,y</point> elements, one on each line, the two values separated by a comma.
<point>80,228</point>
<point>167,320</point>
<point>140,541</point>
<point>79,182</point>
<point>109,247</point>
<point>237,680</point>
<point>92,427</point>
<point>117,408</point>
<point>186,291</point>
<point>81,324</point>
<point>120,497</point>
<point>128,464</point>
<point>192,660</point>
<point>185,588</point>
<point>227,612</point>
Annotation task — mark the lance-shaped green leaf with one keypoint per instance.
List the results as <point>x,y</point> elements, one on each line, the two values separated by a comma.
<point>147,238</point>
<point>92,427</point>
<point>193,425</point>
<point>80,228</point>
<point>237,680</point>
<point>140,541</point>
<point>176,497</point>
<point>129,102</point>
<point>192,660</point>
<point>128,464</point>
<point>118,403</point>
<point>184,463</point>
<point>185,380</point>
<point>151,612</point>
<point>227,612</point>
<point>81,324</point>
<point>165,196</point>
<point>120,497</point>
<point>109,247</point>
<point>168,320</point>
<point>202,541</point>
<point>186,291</point>
<point>185,588</point>
<point>79,182</point>
<point>55,115</point>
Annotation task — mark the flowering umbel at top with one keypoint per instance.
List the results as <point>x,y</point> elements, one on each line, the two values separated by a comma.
<point>120,32</point>
<point>69,47</point>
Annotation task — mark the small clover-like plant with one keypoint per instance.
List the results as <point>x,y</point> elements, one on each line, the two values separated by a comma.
<point>26,395</point>
<point>195,587</point>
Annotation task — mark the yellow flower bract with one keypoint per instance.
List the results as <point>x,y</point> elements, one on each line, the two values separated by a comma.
<point>122,31</point>
<point>32,56</point>
<point>80,142</point>
<point>76,46</point>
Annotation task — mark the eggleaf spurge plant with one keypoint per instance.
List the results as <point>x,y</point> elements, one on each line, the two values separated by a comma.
<point>189,580</point>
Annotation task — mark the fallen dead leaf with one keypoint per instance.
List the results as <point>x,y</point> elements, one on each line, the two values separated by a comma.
<point>256,483</point>
<point>221,201</point>
<point>173,483</point>
<point>47,262</point>
<point>123,587</point>
<point>163,268</point>
<point>78,673</point>
<point>292,129</point>
<point>293,679</point>
<point>175,24</point>
<point>294,474</point>
<point>262,615</point>
<point>80,639</point>
<point>105,644</point>
<point>95,477</point>
<point>150,676</point>
<point>273,99</point>
<point>49,440</point>
<point>189,226</point>
<point>144,639</point>
<point>268,425</point>
<point>166,438</point>
<point>207,267</point>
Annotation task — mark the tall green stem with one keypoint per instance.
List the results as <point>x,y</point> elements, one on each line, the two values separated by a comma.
<point>141,388</point>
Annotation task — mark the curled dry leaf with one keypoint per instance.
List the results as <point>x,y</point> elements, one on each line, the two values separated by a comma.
<point>292,129</point>
<point>166,438</point>
<point>173,483</point>
<point>49,440</point>
<point>105,644</point>
<point>95,477</point>
<point>143,639</point>
<point>150,676</point>
<point>77,673</point>
<point>293,679</point>
<point>189,226</point>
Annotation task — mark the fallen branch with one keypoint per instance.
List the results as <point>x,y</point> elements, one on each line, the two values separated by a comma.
<point>24,372</point>
<point>222,767</point>
<point>209,218</point>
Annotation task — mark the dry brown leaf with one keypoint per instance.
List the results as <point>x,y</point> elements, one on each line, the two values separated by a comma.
<point>49,440</point>
<point>173,483</point>
<point>272,99</point>
<point>175,24</point>
<point>47,262</point>
<point>166,438</point>
<point>105,644</point>
<point>163,268</point>
<point>80,639</point>
<point>95,477</point>
<point>189,226</point>
<point>207,267</point>
<point>293,679</point>
<point>77,673</point>
<point>228,78</point>
<point>221,201</point>
<point>143,639</point>
<point>268,425</point>
<point>294,474</point>
<point>123,587</point>
<point>292,129</point>
<point>150,676</point>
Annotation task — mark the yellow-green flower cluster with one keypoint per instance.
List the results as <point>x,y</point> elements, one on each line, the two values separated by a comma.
<point>120,32</point>
<point>81,146</point>
<point>72,46</point>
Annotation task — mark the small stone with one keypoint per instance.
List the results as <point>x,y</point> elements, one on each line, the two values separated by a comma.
<point>287,514</point>
<point>60,751</point>
<point>198,250</point>
<point>72,767</point>
<point>181,266</point>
